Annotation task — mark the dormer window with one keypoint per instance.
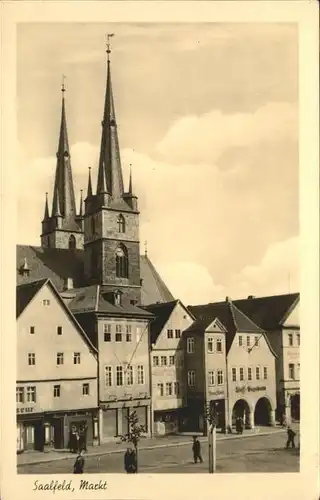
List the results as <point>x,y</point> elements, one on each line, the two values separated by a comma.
<point>121,224</point>
<point>117,298</point>
<point>68,283</point>
<point>24,269</point>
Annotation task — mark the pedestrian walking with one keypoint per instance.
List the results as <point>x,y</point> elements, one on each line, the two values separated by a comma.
<point>291,436</point>
<point>130,461</point>
<point>196,449</point>
<point>78,465</point>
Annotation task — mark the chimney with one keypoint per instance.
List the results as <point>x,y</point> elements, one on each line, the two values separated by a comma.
<point>227,299</point>
<point>251,297</point>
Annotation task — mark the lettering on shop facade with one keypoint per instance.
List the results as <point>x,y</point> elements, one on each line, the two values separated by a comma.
<point>244,389</point>
<point>216,393</point>
<point>24,410</point>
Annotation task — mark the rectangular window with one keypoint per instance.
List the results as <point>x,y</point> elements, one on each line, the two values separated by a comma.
<point>241,374</point>
<point>291,371</point>
<point>163,360</point>
<point>257,372</point>
<point>171,360</point>
<point>234,374</point>
<point>210,344</point>
<point>59,330</point>
<point>168,389</point>
<point>240,341</point>
<point>256,341</point>
<point>290,339</point>
<point>129,375</point>
<point>107,332</point>
<point>118,333</point>
<point>178,333</point>
<point>219,345</point>
<point>220,377</point>
<point>265,372</point>
<point>119,370</point>
<point>128,334</point>
<point>85,389</point>
<point>190,345</point>
<point>32,329</point>
<point>160,389</point>
<point>155,360</point>
<point>211,380</point>
<point>20,394</point>
<point>60,358</point>
<point>191,378</point>
<point>56,391</point>
<point>248,341</point>
<point>249,373</point>
<point>108,375</point>
<point>31,394</point>
<point>140,375</point>
<point>170,334</point>
<point>298,338</point>
<point>31,359</point>
<point>46,302</point>
<point>176,389</point>
<point>76,358</point>
<point>298,371</point>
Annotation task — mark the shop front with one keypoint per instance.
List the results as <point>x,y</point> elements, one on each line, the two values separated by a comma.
<point>167,421</point>
<point>114,418</point>
<point>253,405</point>
<point>30,431</point>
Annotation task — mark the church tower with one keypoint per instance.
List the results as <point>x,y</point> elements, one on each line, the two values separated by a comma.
<point>64,228</point>
<point>111,218</point>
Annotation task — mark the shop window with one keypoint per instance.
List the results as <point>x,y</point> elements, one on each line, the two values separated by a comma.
<point>291,371</point>
<point>85,389</point>
<point>95,428</point>
<point>290,339</point>
<point>211,380</point>
<point>32,330</point>
<point>220,377</point>
<point>29,433</point>
<point>119,374</point>
<point>234,374</point>
<point>249,373</point>
<point>129,375</point>
<point>257,372</point>
<point>163,360</point>
<point>219,345</point>
<point>241,374</point>
<point>178,333</point>
<point>168,389</point>
<point>191,378</point>
<point>60,358</point>
<point>20,394</point>
<point>160,389</point>
<point>129,334</point>
<point>190,345</point>
<point>176,389</point>
<point>31,394</point>
<point>155,360</point>
<point>240,341</point>
<point>107,332</point>
<point>210,344</point>
<point>140,374</point>
<point>171,360</point>
<point>170,334</point>
<point>108,376</point>
<point>31,359</point>
<point>56,391</point>
<point>76,358</point>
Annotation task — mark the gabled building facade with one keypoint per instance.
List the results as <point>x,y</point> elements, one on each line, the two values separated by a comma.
<point>250,385</point>
<point>56,371</point>
<point>279,316</point>
<point>167,365</point>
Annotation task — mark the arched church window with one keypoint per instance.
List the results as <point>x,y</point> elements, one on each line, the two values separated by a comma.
<point>121,224</point>
<point>122,265</point>
<point>72,242</point>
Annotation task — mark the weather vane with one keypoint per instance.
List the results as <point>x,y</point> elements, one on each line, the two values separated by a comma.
<point>109,35</point>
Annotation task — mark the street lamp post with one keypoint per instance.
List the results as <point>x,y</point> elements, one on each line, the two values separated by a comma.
<point>212,438</point>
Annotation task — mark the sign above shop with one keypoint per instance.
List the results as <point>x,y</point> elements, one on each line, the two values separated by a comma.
<point>244,388</point>
<point>219,392</point>
<point>25,410</point>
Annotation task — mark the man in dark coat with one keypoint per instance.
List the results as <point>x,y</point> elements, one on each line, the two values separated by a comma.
<point>79,464</point>
<point>130,462</point>
<point>291,436</point>
<point>196,449</point>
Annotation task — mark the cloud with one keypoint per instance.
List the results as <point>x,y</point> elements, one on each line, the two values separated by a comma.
<point>204,138</point>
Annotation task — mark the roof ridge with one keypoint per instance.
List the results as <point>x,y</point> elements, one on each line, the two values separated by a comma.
<point>230,304</point>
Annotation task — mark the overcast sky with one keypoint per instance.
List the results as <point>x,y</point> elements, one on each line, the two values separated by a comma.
<point>207,116</point>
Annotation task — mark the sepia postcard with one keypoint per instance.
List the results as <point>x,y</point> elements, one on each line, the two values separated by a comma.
<point>160,250</point>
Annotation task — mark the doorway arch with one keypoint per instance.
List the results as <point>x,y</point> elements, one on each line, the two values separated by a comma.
<point>242,409</point>
<point>262,412</point>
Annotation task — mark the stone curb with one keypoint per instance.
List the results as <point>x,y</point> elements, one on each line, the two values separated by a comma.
<point>152,447</point>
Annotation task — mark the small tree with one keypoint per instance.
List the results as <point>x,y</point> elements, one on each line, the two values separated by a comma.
<point>210,416</point>
<point>135,430</point>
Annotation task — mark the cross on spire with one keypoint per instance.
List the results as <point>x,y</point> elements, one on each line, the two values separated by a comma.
<point>108,44</point>
<point>63,87</point>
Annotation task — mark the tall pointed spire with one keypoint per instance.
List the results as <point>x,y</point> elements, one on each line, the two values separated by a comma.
<point>130,181</point>
<point>57,211</point>
<point>89,190</point>
<point>46,209</point>
<point>63,186</point>
<point>109,162</point>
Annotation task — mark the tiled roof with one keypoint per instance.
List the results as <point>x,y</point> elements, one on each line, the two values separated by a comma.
<point>59,264</point>
<point>25,294</point>
<point>162,313</point>
<point>228,314</point>
<point>268,312</point>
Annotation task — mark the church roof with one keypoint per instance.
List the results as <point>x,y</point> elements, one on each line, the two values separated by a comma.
<point>59,264</point>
